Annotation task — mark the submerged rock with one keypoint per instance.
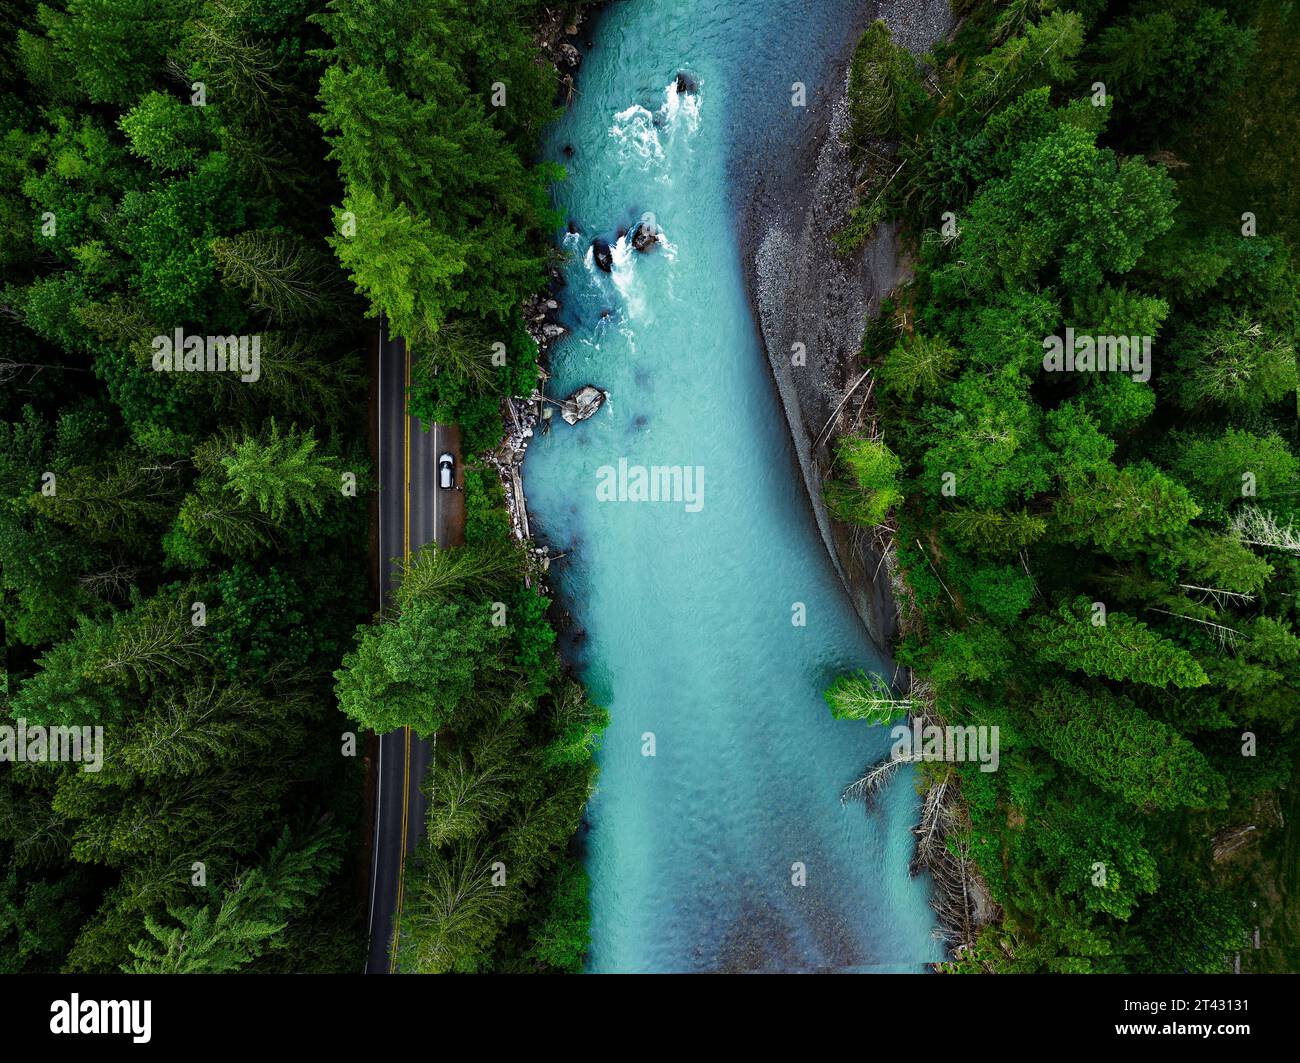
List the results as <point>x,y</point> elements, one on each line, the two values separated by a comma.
<point>583,403</point>
<point>602,254</point>
<point>686,84</point>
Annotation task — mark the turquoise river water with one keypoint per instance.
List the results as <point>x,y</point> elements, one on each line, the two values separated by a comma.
<point>728,848</point>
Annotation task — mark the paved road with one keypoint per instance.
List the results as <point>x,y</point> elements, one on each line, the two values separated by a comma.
<point>412,512</point>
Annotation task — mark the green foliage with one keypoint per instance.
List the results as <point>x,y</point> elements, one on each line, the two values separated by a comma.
<point>401,264</point>
<point>1192,929</point>
<point>514,777</point>
<point>918,365</point>
<point>1000,592</point>
<point>36,922</point>
<point>284,277</point>
<point>1166,61</point>
<point>976,654</point>
<point>444,214</point>
<point>532,631</point>
<point>279,471</point>
<point>1223,561</point>
<point>864,696</point>
<point>260,623</point>
<point>861,224</point>
<point>112,49</point>
<point>460,913</point>
<point>456,912</point>
<point>484,571</point>
<point>1125,751</point>
<point>1029,495</point>
<point>1113,646</point>
<point>442,228</point>
<point>243,922</point>
<point>1235,465</point>
<point>1042,55</point>
<point>167,133</point>
<point>90,676</point>
<point>1121,509</point>
<point>127,213</point>
<point>421,669</point>
<point>1235,363</point>
<point>169,230</point>
<point>1076,839</point>
<point>988,442</point>
<point>486,519</point>
<point>560,940</point>
<point>884,90</point>
<point>871,487</point>
<point>885,100</point>
<point>986,531</point>
<point>1066,207</point>
<point>577,723</point>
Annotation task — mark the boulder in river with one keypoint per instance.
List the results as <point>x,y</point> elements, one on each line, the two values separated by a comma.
<point>646,234</point>
<point>582,403</point>
<point>568,57</point>
<point>602,254</point>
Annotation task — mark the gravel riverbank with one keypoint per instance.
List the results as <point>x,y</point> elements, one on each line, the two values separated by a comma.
<point>802,292</point>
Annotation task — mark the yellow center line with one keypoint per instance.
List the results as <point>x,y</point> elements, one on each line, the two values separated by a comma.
<point>406,557</point>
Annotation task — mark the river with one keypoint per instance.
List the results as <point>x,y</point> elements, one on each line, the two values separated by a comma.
<point>710,622</point>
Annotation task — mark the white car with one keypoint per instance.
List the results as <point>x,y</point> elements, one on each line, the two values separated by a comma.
<point>446,471</point>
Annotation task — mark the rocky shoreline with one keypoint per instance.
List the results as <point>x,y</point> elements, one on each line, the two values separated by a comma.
<point>556,35</point>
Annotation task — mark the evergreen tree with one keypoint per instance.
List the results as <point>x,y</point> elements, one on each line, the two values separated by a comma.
<point>1123,750</point>
<point>280,471</point>
<point>1113,645</point>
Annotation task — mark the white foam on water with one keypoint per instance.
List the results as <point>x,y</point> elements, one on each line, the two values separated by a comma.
<point>590,267</point>
<point>681,110</point>
<point>634,129</point>
<point>639,131</point>
<point>625,279</point>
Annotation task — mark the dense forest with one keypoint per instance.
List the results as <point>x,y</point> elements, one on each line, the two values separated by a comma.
<point>207,205</point>
<point>1102,563</point>
<point>183,560</point>
<point>184,542</point>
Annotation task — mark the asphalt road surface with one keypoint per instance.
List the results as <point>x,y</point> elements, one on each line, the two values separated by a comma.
<point>413,511</point>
